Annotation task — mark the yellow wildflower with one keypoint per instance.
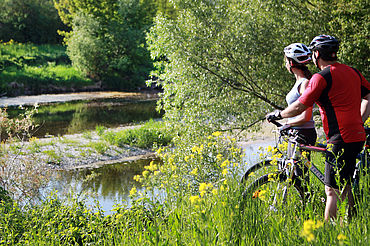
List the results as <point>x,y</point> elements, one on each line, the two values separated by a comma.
<point>219,157</point>
<point>194,199</point>
<point>329,147</point>
<point>271,177</point>
<point>194,171</point>
<point>202,187</point>
<point>305,154</point>
<point>145,173</point>
<point>200,149</point>
<point>137,178</point>
<point>133,191</point>
<point>269,148</point>
<point>341,237</point>
<point>194,149</point>
<point>225,163</point>
<point>159,151</point>
<point>224,171</point>
<point>187,158</point>
<point>152,167</point>
<point>214,191</point>
<point>308,227</point>
<point>216,134</point>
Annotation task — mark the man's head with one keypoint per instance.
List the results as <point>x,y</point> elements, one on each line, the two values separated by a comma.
<point>324,47</point>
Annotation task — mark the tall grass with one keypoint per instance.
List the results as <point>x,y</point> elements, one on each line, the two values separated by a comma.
<point>202,205</point>
<point>149,135</point>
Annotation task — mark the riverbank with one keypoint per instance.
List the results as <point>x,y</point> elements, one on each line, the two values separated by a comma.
<point>91,150</point>
<point>86,150</point>
<point>66,97</point>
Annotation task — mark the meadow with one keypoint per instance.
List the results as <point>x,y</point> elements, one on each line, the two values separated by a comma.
<point>35,69</point>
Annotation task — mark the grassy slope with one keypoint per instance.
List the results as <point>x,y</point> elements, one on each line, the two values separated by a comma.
<point>33,69</point>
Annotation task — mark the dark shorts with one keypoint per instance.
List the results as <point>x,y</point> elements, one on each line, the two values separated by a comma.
<point>341,160</point>
<point>309,136</point>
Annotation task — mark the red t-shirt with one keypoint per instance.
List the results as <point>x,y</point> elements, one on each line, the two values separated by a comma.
<point>338,90</point>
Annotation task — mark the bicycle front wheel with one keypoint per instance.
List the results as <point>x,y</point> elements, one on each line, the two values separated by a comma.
<point>274,192</point>
<point>259,169</point>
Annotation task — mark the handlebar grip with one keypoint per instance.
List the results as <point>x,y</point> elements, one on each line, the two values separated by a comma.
<point>276,123</point>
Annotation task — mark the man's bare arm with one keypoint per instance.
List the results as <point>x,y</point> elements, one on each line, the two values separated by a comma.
<point>293,109</point>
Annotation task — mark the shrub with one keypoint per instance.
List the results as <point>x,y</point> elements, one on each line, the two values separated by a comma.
<point>149,135</point>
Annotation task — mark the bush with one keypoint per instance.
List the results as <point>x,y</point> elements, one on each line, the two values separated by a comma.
<point>111,50</point>
<point>151,134</point>
<point>20,177</point>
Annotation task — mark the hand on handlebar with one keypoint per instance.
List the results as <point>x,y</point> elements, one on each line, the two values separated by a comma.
<point>276,115</point>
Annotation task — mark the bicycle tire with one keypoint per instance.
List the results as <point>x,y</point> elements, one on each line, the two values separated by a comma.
<point>265,183</point>
<point>255,167</point>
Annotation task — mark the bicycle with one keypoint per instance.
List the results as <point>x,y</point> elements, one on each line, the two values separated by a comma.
<point>274,187</point>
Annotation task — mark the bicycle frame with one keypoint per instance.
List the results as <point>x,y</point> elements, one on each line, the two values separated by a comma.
<point>296,149</point>
<point>290,165</point>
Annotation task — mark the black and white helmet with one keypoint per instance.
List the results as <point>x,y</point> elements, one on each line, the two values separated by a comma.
<point>324,43</point>
<point>298,52</point>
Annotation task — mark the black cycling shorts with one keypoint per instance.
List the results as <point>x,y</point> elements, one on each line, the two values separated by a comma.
<point>341,160</point>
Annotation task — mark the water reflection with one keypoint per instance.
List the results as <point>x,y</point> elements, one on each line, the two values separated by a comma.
<point>108,184</point>
<point>76,117</point>
<point>111,184</point>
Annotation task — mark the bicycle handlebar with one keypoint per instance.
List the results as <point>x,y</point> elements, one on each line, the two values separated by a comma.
<point>276,123</point>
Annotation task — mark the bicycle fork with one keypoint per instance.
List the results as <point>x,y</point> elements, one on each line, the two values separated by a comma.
<point>289,172</point>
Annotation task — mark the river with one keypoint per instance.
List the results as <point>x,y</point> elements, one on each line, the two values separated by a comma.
<point>60,114</point>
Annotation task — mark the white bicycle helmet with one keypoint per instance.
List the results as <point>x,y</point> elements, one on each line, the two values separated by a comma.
<point>298,52</point>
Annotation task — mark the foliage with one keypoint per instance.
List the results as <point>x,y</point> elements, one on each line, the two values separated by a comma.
<point>107,41</point>
<point>149,135</point>
<point>20,177</point>
<point>31,69</point>
<point>349,21</point>
<point>202,207</point>
<point>35,21</point>
<point>221,62</point>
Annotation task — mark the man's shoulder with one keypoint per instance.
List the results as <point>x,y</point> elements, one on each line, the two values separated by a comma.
<point>323,75</point>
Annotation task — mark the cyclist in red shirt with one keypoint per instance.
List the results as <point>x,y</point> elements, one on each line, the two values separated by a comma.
<point>342,94</point>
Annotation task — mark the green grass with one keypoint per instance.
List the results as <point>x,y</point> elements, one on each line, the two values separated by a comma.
<point>151,134</point>
<point>34,68</point>
<point>203,206</point>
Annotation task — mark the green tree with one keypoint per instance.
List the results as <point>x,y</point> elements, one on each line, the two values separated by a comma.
<point>221,62</point>
<point>350,22</point>
<point>33,21</point>
<point>107,41</point>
